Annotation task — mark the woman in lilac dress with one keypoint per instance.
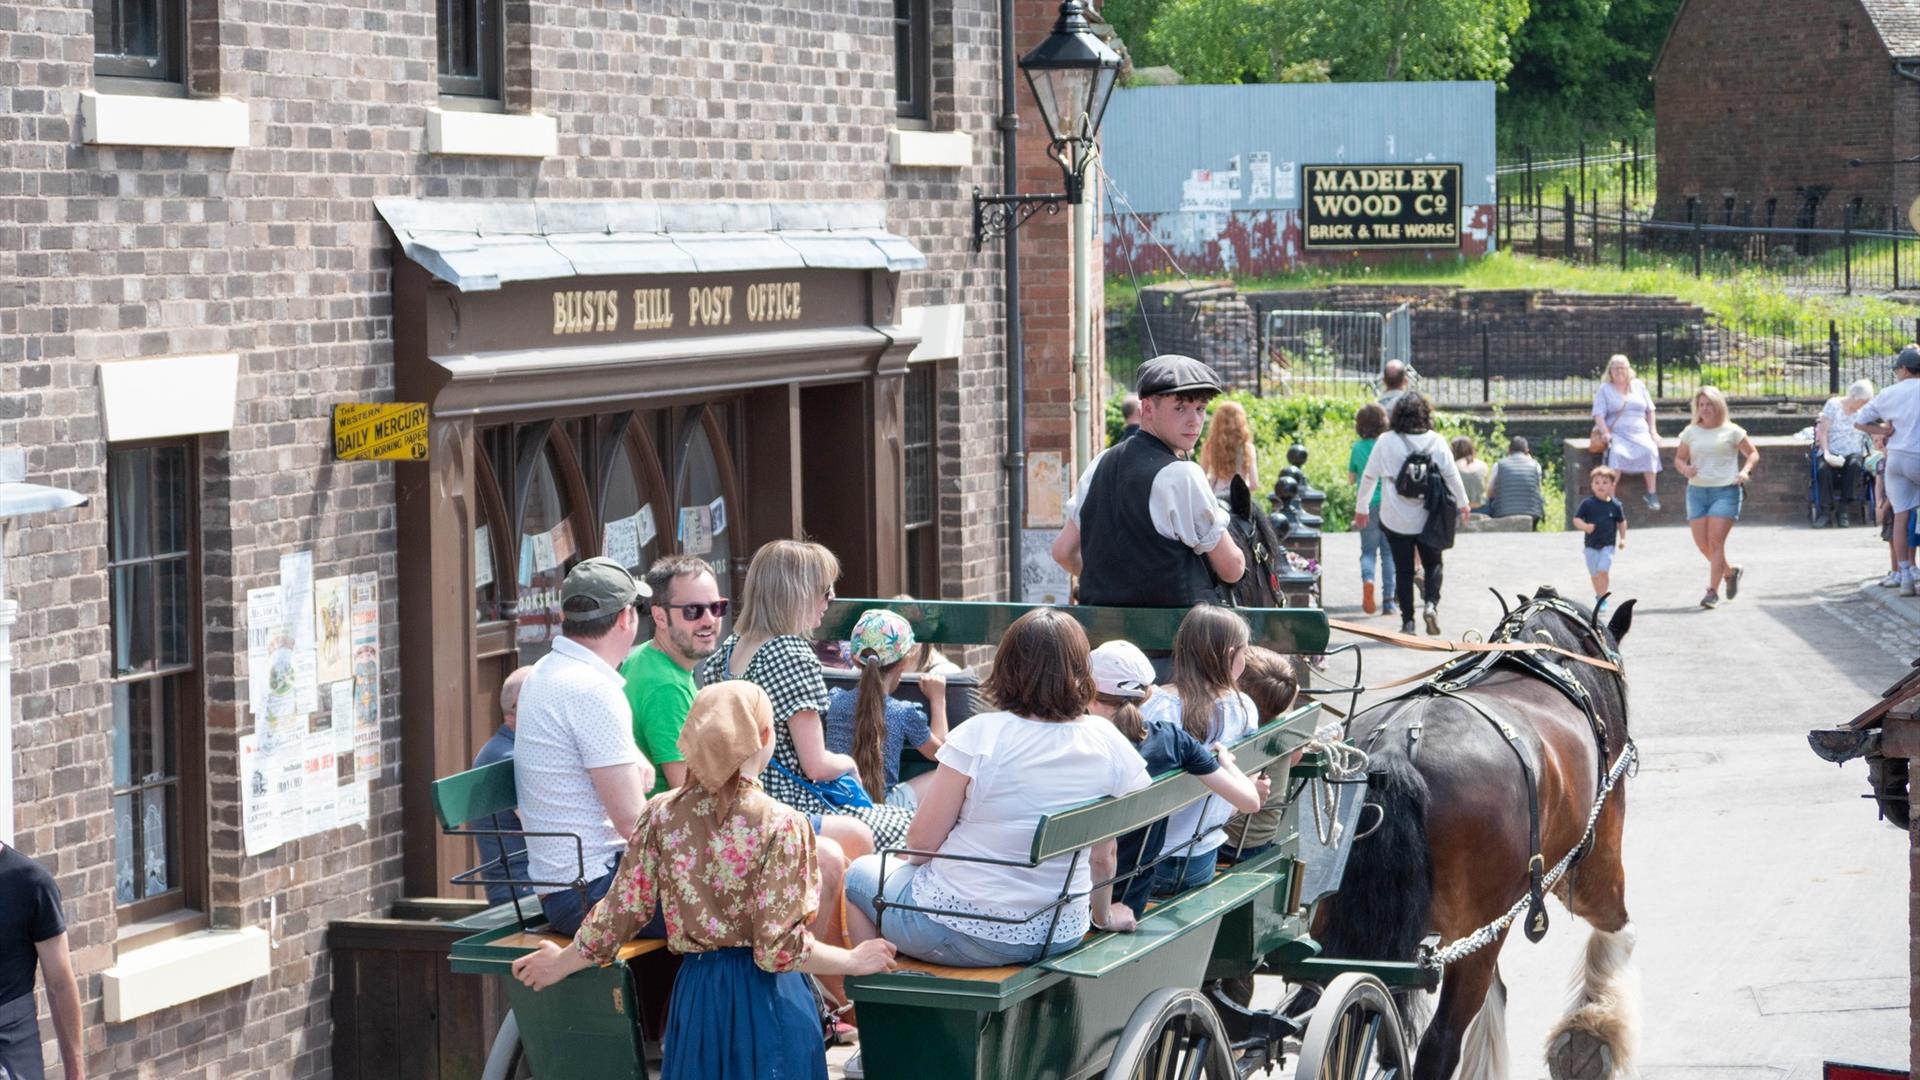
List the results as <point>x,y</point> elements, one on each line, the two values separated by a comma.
<point>1623,416</point>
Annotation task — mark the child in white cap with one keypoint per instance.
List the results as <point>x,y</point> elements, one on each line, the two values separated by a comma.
<point>1123,679</point>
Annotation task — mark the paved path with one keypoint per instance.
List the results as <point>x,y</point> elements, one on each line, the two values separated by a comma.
<point>1771,906</point>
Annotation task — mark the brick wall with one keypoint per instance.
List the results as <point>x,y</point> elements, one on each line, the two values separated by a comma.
<point>274,252</point>
<point>1769,101</point>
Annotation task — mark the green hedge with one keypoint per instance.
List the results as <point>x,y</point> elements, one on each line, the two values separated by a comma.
<point>1325,426</point>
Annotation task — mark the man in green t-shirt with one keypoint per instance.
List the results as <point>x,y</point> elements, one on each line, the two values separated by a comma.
<point>687,609</point>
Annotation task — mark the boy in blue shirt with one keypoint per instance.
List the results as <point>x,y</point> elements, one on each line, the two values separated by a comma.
<point>1604,520</point>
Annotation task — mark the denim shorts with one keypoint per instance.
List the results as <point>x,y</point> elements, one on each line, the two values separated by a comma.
<point>1178,873</point>
<point>1720,502</point>
<point>1599,560</point>
<point>918,934</point>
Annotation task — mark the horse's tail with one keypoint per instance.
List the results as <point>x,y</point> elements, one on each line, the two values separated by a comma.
<point>1386,895</point>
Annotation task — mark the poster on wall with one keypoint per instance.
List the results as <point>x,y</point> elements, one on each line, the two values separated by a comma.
<point>258,828</point>
<point>1042,580</point>
<point>1046,490</point>
<point>330,629</point>
<point>696,530</point>
<point>364,619</point>
<point>1353,207</point>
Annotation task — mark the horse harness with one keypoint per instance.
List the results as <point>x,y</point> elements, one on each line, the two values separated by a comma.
<point>1474,667</point>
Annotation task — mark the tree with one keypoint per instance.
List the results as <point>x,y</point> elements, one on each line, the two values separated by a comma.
<point>1585,66</point>
<point>1359,40</point>
<point>1131,20</point>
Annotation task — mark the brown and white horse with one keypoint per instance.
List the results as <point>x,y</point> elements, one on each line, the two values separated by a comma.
<point>1453,850</point>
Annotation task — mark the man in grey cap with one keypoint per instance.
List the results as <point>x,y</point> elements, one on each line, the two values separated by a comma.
<point>1895,415</point>
<point>1144,528</point>
<point>576,769</point>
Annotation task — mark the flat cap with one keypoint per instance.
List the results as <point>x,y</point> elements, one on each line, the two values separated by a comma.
<point>1172,373</point>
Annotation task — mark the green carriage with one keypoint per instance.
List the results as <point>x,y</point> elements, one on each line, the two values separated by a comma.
<point>1154,1002</point>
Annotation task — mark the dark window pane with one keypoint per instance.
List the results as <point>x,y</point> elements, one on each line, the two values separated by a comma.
<point>175,598</point>
<point>621,511</point>
<point>548,549</point>
<point>132,619</point>
<point>173,502</point>
<point>140,29</point>
<point>124,838</point>
<point>172,691</point>
<point>129,512</point>
<point>903,63</point>
<point>106,26</point>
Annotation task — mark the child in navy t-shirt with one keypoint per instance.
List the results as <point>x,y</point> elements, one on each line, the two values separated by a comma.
<point>1604,521</point>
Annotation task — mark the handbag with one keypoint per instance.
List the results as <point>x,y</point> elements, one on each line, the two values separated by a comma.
<point>1443,515</point>
<point>843,792</point>
<point>1598,439</point>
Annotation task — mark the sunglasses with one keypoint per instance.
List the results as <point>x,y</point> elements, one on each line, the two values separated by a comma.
<point>694,611</point>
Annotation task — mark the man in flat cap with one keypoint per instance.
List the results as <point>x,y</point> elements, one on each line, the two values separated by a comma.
<point>1144,528</point>
<point>576,769</point>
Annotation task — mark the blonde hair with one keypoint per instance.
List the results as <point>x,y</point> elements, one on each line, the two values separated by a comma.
<point>1228,439</point>
<point>1623,361</point>
<point>1604,472</point>
<point>784,582</point>
<point>1719,400</point>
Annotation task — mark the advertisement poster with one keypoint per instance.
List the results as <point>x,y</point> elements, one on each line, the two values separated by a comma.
<point>333,658</point>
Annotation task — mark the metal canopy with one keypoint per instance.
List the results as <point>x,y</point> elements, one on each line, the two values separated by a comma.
<point>479,245</point>
<point>17,499</point>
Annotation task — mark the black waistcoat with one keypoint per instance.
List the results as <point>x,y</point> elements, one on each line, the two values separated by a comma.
<point>1125,562</point>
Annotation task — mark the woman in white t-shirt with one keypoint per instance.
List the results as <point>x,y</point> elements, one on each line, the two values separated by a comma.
<point>1895,414</point>
<point>999,773</point>
<point>1717,458</point>
<point>1403,517</point>
<point>1209,655</point>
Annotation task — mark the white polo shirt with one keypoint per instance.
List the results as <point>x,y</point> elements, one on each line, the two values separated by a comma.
<point>573,717</point>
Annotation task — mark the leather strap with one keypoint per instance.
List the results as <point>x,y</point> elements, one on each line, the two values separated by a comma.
<point>1425,644</point>
<point>1536,924</point>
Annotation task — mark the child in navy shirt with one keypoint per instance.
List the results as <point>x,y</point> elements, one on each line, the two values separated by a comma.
<point>1604,521</point>
<point>1123,678</point>
<point>870,724</point>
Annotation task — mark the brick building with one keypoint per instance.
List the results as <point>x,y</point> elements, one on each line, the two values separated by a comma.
<point>1758,108</point>
<point>667,278</point>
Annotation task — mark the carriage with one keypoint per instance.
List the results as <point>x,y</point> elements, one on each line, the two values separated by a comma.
<point>1169,999</point>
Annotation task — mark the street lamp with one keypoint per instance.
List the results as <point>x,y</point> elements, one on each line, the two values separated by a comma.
<point>1072,74</point>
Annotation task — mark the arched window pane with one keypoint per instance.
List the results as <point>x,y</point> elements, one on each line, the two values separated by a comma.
<point>630,534</point>
<point>547,551</point>
<point>703,520</point>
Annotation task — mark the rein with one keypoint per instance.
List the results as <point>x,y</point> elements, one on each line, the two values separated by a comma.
<point>1498,645</point>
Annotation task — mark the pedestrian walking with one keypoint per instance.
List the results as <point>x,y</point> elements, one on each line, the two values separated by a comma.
<point>1843,451</point>
<point>1894,414</point>
<point>1369,424</point>
<point>1623,423</point>
<point>33,936</point>
<point>1228,451</point>
<point>1404,461</point>
<point>1604,520</point>
<point>738,918</point>
<point>1717,458</point>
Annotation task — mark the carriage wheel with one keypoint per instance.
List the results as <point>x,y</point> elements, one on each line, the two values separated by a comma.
<point>1354,1034</point>
<point>1174,1032</point>
<point>506,1061</point>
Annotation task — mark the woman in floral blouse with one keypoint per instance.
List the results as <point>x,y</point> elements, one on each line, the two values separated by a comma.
<point>733,872</point>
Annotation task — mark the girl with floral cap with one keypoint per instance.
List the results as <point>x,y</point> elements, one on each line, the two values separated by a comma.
<point>733,872</point>
<point>873,726</point>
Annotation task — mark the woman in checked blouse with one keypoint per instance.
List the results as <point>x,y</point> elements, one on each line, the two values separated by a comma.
<point>733,872</point>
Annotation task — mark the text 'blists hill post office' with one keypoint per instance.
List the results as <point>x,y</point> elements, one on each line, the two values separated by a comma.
<point>651,280</point>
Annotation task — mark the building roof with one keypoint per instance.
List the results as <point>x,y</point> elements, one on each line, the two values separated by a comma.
<point>476,245</point>
<point>1898,22</point>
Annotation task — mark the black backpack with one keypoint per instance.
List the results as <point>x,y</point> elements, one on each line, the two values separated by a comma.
<point>1416,474</point>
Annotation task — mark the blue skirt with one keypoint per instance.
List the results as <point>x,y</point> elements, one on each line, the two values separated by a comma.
<point>729,1020</point>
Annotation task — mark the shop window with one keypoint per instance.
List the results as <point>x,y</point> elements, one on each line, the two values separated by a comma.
<point>140,39</point>
<point>470,37</point>
<point>548,549</point>
<point>153,565</point>
<point>923,533</point>
<point>912,60</point>
<point>704,512</point>
<point>630,526</point>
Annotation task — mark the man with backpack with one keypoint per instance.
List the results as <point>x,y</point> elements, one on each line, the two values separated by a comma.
<point>1144,528</point>
<point>1424,502</point>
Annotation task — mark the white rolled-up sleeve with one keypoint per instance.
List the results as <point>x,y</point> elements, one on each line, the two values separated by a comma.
<point>1184,508</point>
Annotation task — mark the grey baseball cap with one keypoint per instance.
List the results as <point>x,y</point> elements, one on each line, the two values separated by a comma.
<point>1909,358</point>
<point>1175,374</point>
<point>598,587</point>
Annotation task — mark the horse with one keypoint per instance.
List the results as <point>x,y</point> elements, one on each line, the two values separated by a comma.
<point>1253,534</point>
<point>1451,765</point>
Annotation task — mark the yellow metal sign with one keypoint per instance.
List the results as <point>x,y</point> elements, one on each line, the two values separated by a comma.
<point>386,432</point>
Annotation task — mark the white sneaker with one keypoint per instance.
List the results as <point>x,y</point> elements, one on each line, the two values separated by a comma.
<point>852,1069</point>
<point>1906,585</point>
<point>1891,581</point>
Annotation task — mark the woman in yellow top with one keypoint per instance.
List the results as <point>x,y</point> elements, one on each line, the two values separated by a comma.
<point>733,871</point>
<point>1717,458</point>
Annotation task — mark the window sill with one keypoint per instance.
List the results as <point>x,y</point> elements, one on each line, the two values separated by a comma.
<point>478,134</point>
<point>908,148</point>
<point>182,969</point>
<point>144,120</point>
